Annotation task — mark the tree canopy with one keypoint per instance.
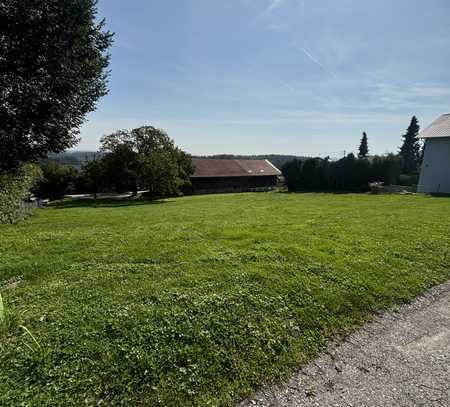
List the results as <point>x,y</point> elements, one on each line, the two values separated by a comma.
<point>53,69</point>
<point>57,181</point>
<point>410,150</point>
<point>93,176</point>
<point>147,158</point>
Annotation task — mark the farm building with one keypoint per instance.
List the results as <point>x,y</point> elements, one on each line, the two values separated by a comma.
<point>218,175</point>
<point>435,171</point>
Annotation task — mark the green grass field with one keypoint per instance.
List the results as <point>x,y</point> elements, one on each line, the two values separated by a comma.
<point>194,301</point>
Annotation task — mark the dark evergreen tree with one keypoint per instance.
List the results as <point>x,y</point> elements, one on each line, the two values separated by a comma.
<point>410,150</point>
<point>364,146</point>
<point>292,172</point>
<point>53,60</point>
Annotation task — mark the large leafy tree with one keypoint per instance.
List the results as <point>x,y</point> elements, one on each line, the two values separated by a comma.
<point>146,157</point>
<point>159,174</point>
<point>164,168</point>
<point>410,150</point>
<point>53,69</point>
<point>120,161</point>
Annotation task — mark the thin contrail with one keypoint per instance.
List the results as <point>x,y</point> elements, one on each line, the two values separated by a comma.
<point>317,62</point>
<point>312,58</point>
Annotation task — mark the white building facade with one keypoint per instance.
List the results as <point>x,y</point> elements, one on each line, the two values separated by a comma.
<point>435,171</point>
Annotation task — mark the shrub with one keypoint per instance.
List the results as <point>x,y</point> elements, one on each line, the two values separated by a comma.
<point>408,180</point>
<point>386,169</point>
<point>57,181</point>
<point>14,190</point>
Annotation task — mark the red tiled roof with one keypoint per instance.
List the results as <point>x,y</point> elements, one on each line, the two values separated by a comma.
<point>439,128</point>
<point>208,167</point>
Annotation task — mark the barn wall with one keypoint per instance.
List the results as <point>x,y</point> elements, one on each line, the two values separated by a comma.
<point>209,185</point>
<point>435,171</point>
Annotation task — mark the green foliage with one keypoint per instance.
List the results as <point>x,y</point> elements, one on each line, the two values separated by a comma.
<point>408,180</point>
<point>145,158</point>
<point>386,169</point>
<point>53,60</point>
<point>2,311</point>
<point>35,346</point>
<point>194,301</point>
<point>121,169</point>
<point>57,181</point>
<point>7,321</point>
<point>347,174</point>
<point>94,176</point>
<point>15,188</point>
<point>158,173</point>
<point>185,170</point>
<point>410,151</point>
<point>363,147</point>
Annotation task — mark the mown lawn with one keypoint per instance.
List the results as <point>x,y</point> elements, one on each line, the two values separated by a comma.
<point>195,300</point>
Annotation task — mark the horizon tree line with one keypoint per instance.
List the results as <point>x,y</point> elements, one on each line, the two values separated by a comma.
<point>355,173</point>
<point>411,150</point>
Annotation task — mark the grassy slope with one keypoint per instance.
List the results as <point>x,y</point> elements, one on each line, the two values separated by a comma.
<point>194,301</point>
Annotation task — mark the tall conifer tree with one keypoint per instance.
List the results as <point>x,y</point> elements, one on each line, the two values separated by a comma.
<point>364,146</point>
<point>410,150</point>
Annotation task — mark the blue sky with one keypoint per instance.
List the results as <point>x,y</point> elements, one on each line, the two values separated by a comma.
<point>302,77</point>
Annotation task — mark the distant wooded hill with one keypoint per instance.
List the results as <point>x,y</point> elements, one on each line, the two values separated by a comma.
<point>77,158</point>
<point>73,158</point>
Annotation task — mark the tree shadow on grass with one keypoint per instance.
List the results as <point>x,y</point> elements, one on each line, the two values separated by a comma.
<point>104,202</point>
<point>332,192</point>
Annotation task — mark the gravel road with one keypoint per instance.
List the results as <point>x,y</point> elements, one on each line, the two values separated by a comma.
<point>402,358</point>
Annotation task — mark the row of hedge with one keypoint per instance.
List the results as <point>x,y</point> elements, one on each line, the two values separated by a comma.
<point>347,174</point>
<point>14,190</point>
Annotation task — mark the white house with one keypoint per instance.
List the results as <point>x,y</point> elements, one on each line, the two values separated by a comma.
<point>435,171</point>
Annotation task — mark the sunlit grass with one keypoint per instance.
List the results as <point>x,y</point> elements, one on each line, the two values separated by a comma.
<point>194,301</point>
